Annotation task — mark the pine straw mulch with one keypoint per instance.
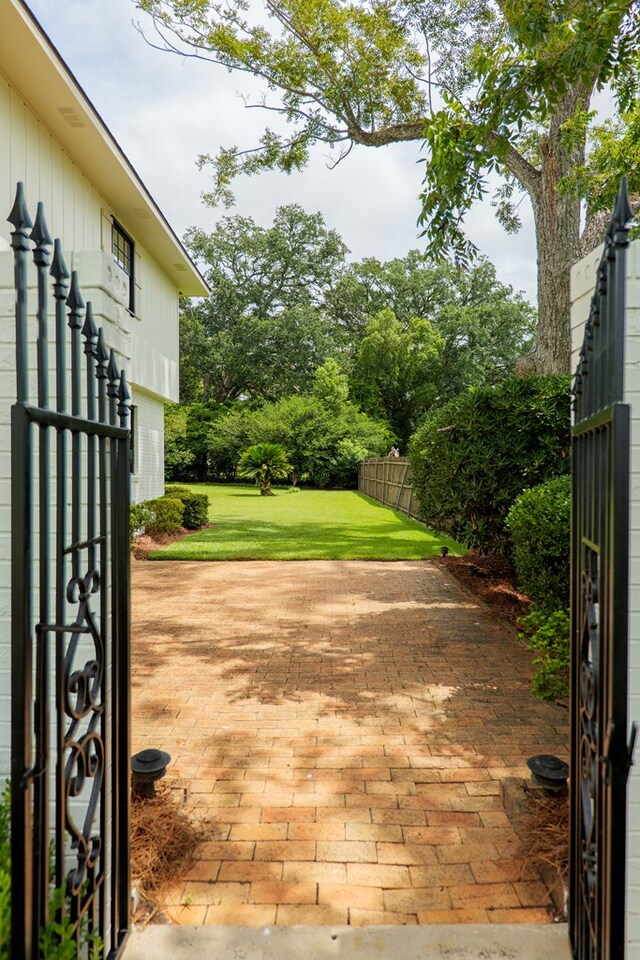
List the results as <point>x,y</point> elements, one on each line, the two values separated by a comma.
<point>164,838</point>
<point>492,579</point>
<point>544,841</point>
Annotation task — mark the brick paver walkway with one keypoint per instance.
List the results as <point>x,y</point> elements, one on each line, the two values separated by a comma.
<point>346,727</point>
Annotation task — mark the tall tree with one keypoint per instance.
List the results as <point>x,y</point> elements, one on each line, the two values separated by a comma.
<point>397,370</point>
<point>487,85</point>
<point>485,326</point>
<point>262,332</point>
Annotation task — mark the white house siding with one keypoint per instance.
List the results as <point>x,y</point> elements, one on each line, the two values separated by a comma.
<point>147,480</point>
<point>582,285</point>
<point>146,344</point>
<point>29,153</point>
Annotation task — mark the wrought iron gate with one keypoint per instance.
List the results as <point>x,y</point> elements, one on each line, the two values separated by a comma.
<point>600,755</point>
<point>70,615</point>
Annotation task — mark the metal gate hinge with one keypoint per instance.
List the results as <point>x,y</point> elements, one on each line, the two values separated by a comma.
<point>631,747</point>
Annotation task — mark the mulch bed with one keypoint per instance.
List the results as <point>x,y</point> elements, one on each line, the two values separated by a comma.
<point>490,578</point>
<point>146,544</point>
<point>164,838</point>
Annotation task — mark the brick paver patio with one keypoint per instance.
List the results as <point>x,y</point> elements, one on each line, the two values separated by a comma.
<point>346,727</point>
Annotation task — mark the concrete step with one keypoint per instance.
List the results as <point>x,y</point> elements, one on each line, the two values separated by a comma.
<point>451,942</point>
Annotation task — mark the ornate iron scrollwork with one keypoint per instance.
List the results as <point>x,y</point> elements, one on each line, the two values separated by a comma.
<point>62,799</point>
<point>85,751</point>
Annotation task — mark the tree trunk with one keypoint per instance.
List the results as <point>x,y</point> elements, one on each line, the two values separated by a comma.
<point>557,221</point>
<point>557,224</point>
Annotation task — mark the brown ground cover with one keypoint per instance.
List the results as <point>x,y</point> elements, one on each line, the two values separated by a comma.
<point>490,578</point>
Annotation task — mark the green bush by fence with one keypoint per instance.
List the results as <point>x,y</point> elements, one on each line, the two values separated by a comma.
<point>539,523</point>
<point>472,457</point>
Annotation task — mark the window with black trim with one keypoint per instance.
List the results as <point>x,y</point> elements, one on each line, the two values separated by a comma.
<point>123,253</point>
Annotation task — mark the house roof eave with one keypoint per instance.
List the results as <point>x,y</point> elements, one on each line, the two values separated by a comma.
<point>37,70</point>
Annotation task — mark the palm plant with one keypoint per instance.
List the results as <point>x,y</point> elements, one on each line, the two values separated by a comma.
<point>264,462</point>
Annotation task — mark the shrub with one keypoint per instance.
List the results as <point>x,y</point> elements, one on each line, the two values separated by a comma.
<point>264,462</point>
<point>547,635</point>
<point>56,940</point>
<point>472,457</point>
<point>320,443</point>
<point>165,515</point>
<point>138,517</point>
<point>196,506</point>
<point>539,522</point>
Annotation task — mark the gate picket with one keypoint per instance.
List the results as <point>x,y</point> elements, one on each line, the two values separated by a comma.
<point>69,803</point>
<point>599,613</point>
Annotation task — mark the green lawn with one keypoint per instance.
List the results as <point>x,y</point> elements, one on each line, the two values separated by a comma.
<point>308,525</point>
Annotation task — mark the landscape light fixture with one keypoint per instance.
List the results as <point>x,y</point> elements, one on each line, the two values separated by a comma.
<point>147,767</point>
<point>549,772</point>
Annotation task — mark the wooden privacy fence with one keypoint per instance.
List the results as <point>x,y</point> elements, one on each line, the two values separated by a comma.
<point>388,480</point>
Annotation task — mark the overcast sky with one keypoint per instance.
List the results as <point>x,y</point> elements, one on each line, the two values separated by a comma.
<point>165,110</point>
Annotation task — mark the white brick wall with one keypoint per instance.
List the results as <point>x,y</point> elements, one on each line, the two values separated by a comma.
<point>582,285</point>
<point>148,479</point>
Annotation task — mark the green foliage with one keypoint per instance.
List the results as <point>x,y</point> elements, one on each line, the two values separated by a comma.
<point>264,462</point>
<point>165,515</point>
<point>5,873</point>
<point>485,326</point>
<point>178,452</point>
<point>614,153</point>
<point>396,370</point>
<point>321,444</point>
<point>539,524</point>
<point>56,941</point>
<point>331,385</point>
<point>472,457</point>
<point>262,332</point>
<point>138,517</point>
<point>343,71</point>
<point>507,77</point>
<point>196,506</point>
<point>187,428</point>
<point>548,636</point>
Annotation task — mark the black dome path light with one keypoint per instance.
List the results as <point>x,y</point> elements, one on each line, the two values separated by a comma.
<point>549,772</point>
<point>147,767</point>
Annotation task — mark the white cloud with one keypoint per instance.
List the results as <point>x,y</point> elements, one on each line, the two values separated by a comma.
<point>165,110</point>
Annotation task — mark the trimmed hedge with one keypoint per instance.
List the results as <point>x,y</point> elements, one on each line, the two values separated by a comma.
<point>472,457</point>
<point>547,636</point>
<point>165,515</point>
<point>539,522</point>
<point>196,506</point>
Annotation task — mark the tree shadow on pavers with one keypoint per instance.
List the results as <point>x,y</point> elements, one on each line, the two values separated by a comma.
<point>435,665</point>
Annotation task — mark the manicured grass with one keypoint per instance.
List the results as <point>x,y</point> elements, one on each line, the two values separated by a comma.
<point>307,525</point>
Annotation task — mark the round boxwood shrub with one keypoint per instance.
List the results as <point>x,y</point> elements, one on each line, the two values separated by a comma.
<point>539,523</point>
<point>196,506</point>
<point>165,515</point>
<point>472,457</point>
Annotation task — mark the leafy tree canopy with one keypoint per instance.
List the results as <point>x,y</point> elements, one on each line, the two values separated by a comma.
<point>486,86</point>
<point>484,325</point>
<point>261,333</point>
<point>397,370</point>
